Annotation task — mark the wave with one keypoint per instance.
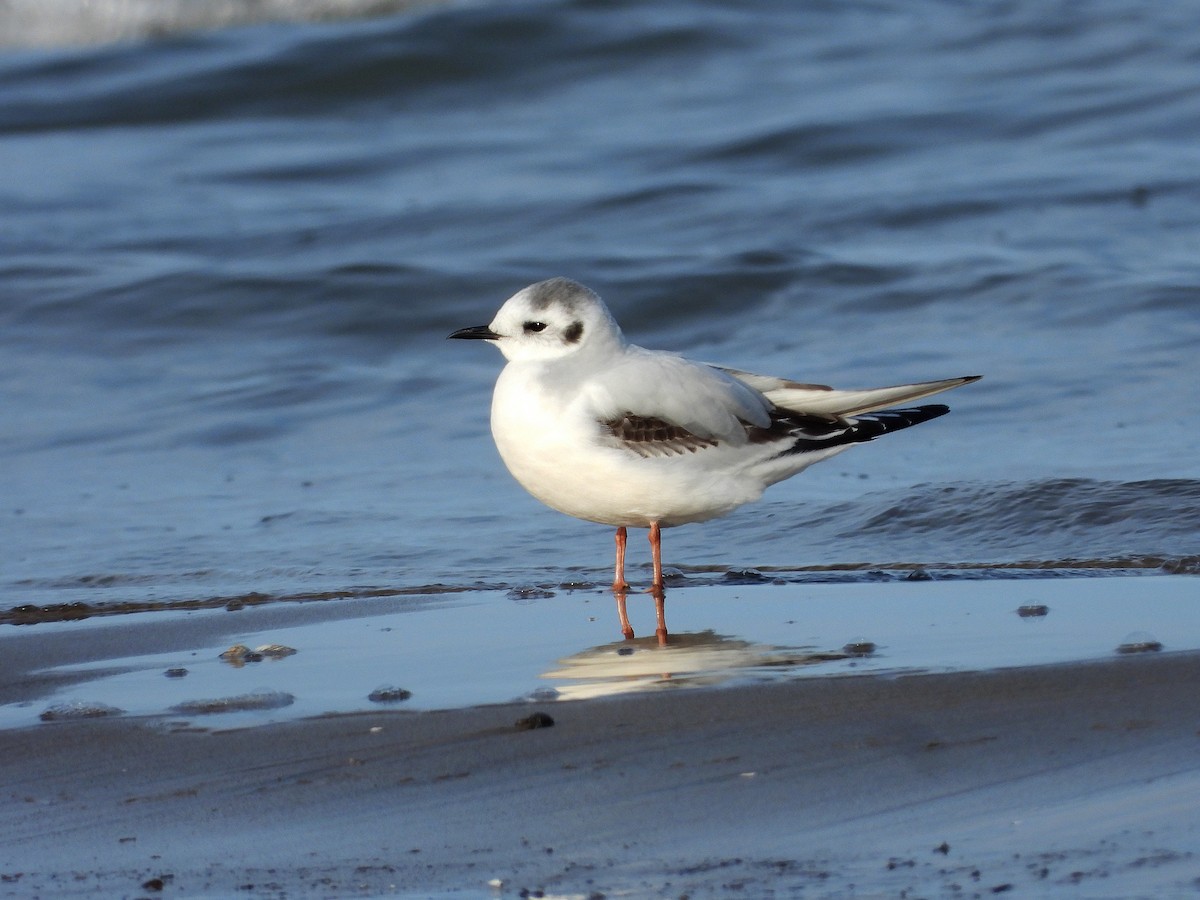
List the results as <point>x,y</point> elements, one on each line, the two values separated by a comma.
<point>1058,519</point>
<point>1049,508</point>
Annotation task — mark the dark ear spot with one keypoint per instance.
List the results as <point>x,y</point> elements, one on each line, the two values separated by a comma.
<point>573,333</point>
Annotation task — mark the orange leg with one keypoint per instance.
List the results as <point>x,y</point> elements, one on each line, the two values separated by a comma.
<point>656,556</point>
<point>619,575</point>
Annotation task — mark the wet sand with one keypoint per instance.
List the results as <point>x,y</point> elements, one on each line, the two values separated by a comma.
<point>1076,780</point>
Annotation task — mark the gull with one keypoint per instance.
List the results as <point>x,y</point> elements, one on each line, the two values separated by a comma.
<point>607,431</point>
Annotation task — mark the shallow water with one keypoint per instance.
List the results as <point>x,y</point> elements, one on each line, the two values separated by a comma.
<point>486,647</point>
<point>231,256</point>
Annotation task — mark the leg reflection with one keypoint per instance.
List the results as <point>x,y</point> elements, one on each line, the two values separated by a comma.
<point>660,614</point>
<point>623,614</point>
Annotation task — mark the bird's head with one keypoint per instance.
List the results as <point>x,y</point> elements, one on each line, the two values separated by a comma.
<point>548,320</point>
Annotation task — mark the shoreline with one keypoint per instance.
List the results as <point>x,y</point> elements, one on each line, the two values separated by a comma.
<point>1074,778</point>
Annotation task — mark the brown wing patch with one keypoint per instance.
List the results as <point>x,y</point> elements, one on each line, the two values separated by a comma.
<point>647,436</point>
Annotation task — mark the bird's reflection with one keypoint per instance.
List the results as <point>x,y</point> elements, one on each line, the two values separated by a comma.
<point>671,660</point>
<point>690,659</point>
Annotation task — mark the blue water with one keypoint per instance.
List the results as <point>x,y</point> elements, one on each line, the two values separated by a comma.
<point>229,259</point>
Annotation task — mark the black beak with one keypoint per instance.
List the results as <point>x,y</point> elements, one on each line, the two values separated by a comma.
<point>475,333</point>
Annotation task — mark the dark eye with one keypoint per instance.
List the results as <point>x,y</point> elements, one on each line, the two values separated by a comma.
<point>534,327</point>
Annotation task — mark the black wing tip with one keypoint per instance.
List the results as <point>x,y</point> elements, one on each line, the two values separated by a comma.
<point>921,414</point>
<point>885,421</point>
<point>869,426</point>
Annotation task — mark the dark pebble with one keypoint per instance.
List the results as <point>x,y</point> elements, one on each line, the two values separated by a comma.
<point>537,720</point>
<point>1140,647</point>
<point>388,695</point>
<point>860,648</point>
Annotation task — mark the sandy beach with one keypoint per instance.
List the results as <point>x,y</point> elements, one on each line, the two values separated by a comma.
<point>1075,780</point>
